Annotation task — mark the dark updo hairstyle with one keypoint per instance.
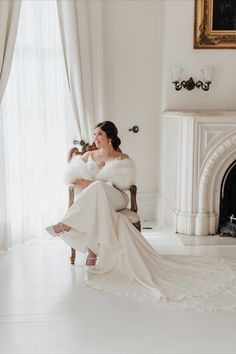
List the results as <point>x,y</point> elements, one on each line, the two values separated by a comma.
<point>111,131</point>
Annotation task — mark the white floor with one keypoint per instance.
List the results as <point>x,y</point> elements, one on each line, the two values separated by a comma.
<point>45,309</point>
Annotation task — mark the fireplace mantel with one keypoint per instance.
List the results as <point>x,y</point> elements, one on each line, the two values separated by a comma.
<point>203,146</point>
<point>199,113</point>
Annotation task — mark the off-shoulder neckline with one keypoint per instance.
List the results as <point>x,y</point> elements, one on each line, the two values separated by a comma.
<point>106,162</point>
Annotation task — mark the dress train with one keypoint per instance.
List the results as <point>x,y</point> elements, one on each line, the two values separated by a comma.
<point>129,266</point>
<point>171,282</point>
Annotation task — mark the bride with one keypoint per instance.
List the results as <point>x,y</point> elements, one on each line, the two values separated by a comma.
<point>119,259</point>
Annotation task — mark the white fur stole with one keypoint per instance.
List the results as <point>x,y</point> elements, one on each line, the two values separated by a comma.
<point>77,168</point>
<point>121,173</point>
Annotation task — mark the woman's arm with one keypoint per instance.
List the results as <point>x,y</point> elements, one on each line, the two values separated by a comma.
<point>82,183</point>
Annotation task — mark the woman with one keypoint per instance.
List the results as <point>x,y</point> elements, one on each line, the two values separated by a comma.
<point>126,264</point>
<point>103,174</point>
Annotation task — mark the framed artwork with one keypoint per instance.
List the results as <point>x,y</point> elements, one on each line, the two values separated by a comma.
<point>215,24</point>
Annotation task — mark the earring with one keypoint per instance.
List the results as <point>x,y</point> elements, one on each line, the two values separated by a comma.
<point>109,141</point>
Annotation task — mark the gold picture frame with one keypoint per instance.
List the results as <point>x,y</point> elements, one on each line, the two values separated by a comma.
<point>215,24</point>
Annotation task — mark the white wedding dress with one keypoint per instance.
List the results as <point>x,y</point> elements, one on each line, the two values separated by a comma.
<point>129,266</point>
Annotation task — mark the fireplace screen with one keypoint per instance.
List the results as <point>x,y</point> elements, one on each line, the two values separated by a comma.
<point>227,221</point>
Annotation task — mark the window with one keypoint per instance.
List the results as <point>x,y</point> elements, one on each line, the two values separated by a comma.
<point>39,126</point>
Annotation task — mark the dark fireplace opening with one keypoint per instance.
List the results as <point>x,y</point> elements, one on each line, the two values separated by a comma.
<point>227,220</point>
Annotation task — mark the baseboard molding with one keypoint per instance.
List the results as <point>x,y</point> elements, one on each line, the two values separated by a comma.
<point>148,206</point>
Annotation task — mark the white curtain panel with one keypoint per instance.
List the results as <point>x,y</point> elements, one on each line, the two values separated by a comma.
<point>75,32</point>
<point>39,126</point>
<point>3,198</point>
<point>9,16</point>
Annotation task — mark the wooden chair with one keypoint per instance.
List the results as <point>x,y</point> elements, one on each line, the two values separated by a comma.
<point>131,213</point>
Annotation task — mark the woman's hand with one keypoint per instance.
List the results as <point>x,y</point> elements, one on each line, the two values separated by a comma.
<point>82,183</point>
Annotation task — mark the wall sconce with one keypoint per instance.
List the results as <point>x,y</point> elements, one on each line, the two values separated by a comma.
<point>190,84</point>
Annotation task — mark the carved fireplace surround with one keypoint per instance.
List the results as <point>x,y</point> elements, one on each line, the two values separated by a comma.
<point>205,147</point>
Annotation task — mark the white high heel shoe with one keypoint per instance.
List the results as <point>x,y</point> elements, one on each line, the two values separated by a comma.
<point>51,231</point>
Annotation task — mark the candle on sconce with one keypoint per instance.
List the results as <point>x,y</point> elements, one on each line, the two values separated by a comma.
<point>175,74</point>
<point>207,74</point>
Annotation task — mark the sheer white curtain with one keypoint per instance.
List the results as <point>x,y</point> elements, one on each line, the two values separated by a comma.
<point>9,17</point>
<point>75,25</point>
<point>39,126</point>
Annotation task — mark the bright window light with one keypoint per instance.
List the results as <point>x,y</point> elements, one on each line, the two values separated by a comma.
<point>39,126</point>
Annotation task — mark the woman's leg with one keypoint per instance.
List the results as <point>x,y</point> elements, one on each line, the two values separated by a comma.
<point>91,258</point>
<point>117,201</point>
<point>90,220</point>
<point>94,206</point>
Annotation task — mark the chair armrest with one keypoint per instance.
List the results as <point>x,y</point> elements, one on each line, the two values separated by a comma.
<point>72,189</point>
<point>72,186</point>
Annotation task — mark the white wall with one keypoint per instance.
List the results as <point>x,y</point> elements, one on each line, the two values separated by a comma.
<point>178,24</point>
<point>142,40</point>
<point>178,29</point>
<point>131,43</point>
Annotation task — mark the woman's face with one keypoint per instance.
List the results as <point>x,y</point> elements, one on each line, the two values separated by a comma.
<point>100,138</point>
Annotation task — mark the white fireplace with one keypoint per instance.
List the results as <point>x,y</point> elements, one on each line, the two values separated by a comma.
<point>198,147</point>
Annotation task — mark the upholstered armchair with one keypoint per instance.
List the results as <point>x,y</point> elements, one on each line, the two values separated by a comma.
<point>130,213</point>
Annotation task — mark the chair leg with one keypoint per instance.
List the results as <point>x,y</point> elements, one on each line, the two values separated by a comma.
<point>73,255</point>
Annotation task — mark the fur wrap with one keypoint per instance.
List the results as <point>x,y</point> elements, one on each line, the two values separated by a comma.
<point>77,168</point>
<point>121,173</point>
